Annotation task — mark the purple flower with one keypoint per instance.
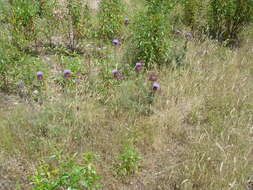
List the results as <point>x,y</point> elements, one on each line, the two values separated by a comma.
<point>138,67</point>
<point>126,21</point>
<point>138,64</point>
<point>189,35</point>
<point>114,71</point>
<point>119,76</point>
<point>115,42</point>
<point>67,73</point>
<point>155,86</point>
<point>39,75</point>
<point>116,74</point>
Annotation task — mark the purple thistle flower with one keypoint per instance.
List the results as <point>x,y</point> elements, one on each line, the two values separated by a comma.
<point>39,75</point>
<point>155,86</point>
<point>67,73</point>
<point>126,21</point>
<point>189,35</point>
<point>114,71</point>
<point>119,76</point>
<point>115,42</point>
<point>138,67</point>
<point>138,64</point>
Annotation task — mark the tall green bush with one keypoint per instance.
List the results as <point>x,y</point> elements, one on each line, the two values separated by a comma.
<point>79,20</point>
<point>110,18</point>
<point>220,19</point>
<point>48,21</point>
<point>151,34</point>
<point>228,17</point>
<point>21,16</point>
<point>8,57</point>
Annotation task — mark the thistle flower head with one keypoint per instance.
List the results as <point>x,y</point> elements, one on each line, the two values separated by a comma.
<point>119,75</point>
<point>126,21</point>
<point>115,42</point>
<point>114,71</point>
<point>155,86</point>
<point>139,64</point>
<point>138,67</point>
<point>39,75</point>
<point>67,73</point>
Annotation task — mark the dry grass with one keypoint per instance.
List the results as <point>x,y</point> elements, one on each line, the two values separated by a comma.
<point>199,135</point>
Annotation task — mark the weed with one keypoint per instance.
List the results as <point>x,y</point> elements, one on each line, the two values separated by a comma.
<point>128,161</point>
<point>67,173</point>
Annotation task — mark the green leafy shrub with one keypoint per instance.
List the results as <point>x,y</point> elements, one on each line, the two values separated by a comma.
<point>227,18</point>
<point>110,17</point>
<point>221,20</point>
<point>150,35</point>
<point>8,57</point>
<point>17,68</point>
<point>66,173</point>
<point>48,20</point>
<point>129,160</point>
<point>21,16</point>
<point>79,21</point>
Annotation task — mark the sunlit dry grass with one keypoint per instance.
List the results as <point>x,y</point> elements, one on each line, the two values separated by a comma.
<point>197,134</point>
